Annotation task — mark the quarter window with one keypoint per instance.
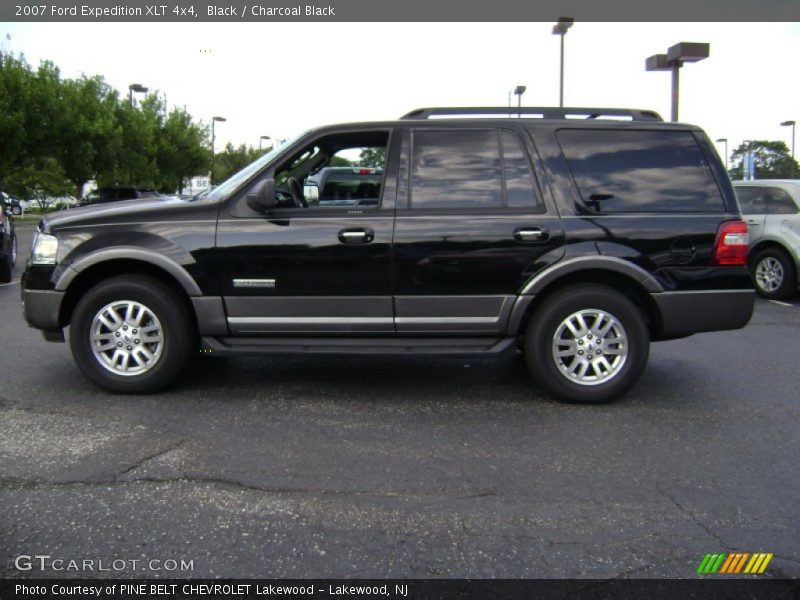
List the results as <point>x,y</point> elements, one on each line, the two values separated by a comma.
<point>640,171</point>
<point>779,202</point>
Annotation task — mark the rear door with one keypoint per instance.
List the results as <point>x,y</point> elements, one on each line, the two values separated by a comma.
<point>471,228</point>
<point>752,201</point>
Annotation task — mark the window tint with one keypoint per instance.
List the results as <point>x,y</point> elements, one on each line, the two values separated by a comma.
<point>640,171</point>
<point>455,169</point>
<point>779,202</point>
<point>751,200</point>
<point>520,191</point>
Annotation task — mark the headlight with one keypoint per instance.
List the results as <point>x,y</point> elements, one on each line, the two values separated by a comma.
<point>45,248</point>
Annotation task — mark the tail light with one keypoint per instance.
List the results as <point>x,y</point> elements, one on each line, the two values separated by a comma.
<point>730,247</point>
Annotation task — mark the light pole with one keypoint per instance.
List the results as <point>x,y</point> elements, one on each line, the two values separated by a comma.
<point>792,124</point>
<point>673,61</point>
<point>725,141</point>
<point>518,91</point>
<point>261,139</point>
<point>213,138</point>
<point>561,28</point>
<point>138,88</point>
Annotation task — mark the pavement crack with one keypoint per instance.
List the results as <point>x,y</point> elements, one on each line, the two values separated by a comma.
<point>150,457</point>
<point>694,518</point>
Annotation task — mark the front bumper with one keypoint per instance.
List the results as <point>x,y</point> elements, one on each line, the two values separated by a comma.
<point>41,309</point>
<point>684,313</point>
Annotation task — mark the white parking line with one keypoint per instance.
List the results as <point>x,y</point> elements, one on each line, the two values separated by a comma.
<point>9,283</point>
<point>782,303</point>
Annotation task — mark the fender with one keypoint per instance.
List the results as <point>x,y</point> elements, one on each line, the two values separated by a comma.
<point>129,253</point>
<point>570,265</point>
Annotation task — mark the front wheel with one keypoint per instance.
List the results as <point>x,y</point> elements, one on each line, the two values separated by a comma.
<point>587,343</point>
<point>131,334</point>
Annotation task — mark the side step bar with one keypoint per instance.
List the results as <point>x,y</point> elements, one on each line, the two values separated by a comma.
<point>364,346</point>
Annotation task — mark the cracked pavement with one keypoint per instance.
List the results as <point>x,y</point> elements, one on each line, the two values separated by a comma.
<point>404,467</point>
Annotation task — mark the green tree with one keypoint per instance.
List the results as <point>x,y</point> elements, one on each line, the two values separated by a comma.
<point>15,90</point>
<point>42,182</point>
<point>373,157</point>
<point>181,151</point>
<point>773,160</point>
<point>233,159</point>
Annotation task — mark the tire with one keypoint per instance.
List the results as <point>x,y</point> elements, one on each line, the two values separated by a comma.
<point>773,274</point>
<point>129,303</point>
<point>552,348</point>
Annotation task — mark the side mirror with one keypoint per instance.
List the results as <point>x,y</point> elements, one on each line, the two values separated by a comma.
<point>261,197</point>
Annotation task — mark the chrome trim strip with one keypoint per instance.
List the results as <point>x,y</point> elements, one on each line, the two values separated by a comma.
<point>309,320</point>
<point>597,261</point>
<point>254,283</point>
<point>427,320</point>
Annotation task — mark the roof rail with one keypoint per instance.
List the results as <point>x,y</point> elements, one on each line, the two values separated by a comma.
<point>542,112</point>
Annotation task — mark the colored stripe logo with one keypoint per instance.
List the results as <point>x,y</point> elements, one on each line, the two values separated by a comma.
<point>735,563</point>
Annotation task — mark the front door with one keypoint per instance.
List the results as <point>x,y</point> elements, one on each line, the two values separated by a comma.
<point>318,265</point>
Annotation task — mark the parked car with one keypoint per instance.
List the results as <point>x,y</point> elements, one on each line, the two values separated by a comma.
<point>12,203</point>
<point>8,242</point>
<point>772,210</point>
<point>115,194</point>
<point>354,186</point>
<point>570,235</point>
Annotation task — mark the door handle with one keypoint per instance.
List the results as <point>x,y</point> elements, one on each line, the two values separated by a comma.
<point>751,222</point>
<point>363,235</point>
<point>530,234</point>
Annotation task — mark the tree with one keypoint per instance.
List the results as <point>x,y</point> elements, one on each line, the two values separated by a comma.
<point>181,151</point>
<point>43,182</point>
<point>232,159</point>
<point>773,160</point>
<point>373,157</point>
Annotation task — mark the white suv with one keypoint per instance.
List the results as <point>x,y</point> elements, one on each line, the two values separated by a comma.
<point>771,208</point>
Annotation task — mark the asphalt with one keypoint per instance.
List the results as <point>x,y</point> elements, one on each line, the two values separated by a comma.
<point>412,468</point>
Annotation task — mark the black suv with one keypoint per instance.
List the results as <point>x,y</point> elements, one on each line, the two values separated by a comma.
<point>574,235</point>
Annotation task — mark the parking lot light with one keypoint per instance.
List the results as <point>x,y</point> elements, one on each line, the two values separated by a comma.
<point>673,60</point>
<point>261,139</point>
<point>518,91</point>
<point>725,141</point>
<point>214,120</point>
<point>561,28</point>
<point>138,88</point>
<point>792,124</point>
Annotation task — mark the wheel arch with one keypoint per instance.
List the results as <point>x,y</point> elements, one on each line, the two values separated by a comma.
<point>79,282</point>
<point>634,289</point>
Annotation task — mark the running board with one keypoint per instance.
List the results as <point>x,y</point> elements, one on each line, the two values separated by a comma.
<point>453,347</point>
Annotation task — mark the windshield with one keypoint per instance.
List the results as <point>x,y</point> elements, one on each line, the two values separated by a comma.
<point>234,181</point>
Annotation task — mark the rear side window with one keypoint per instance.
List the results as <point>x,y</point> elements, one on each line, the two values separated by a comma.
<point>640,171</point>
<point>456,169</point>
<point>520,191</point>
<point>751,200</point>
<point>779,202</point>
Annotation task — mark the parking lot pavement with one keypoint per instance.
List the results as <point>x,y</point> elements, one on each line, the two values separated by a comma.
<point>405,467</point>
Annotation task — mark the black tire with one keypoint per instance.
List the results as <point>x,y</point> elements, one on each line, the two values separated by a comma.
<point>766,259</point>
<point>162,302</point>
<point>544,325</point>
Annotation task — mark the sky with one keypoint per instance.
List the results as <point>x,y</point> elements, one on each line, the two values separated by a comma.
<point>279,79</point>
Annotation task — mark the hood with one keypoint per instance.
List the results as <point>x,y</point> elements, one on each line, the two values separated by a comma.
<point>140,209</point>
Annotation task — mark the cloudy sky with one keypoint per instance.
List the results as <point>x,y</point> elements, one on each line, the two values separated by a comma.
<point>279,78</point>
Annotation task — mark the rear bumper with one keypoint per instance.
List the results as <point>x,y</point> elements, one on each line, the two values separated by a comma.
<point>684,313</point>
<point>41,308</point>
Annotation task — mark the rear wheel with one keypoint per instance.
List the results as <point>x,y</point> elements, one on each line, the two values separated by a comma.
<point>773,273</point>
<point>131,334</point>
<point>587,343</point>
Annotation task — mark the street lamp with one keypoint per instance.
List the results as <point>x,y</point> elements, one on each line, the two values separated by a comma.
<point>561,28</point>
<point>138,88</point>
<point>262,138</point>
<point>673,60</point>
<point>725,141</point>
<point>792,124</point>
<point>213,137</point>
<point>518,91</point>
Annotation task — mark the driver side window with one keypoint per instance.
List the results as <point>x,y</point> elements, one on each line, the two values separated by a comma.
<point>338,171</point>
